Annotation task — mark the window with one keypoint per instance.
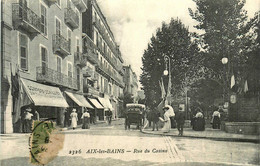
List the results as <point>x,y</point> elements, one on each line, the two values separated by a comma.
<point>44,57</point>
<point>96,39</point>
<point>100,43</point>
<point>69,38</point>
<point>68,4</point>
<point>95,16</point>
<point>23,52</point>
<point>59,64</point>
<point>69,69</point>
<point>58,27</point>
<point>58,2</point>
<point>77,45</point>
<point>78,77</point>
<point>43,20</point>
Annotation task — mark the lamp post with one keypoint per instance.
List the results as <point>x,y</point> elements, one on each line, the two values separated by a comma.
<point>224,61</point>
<point>167,72</point>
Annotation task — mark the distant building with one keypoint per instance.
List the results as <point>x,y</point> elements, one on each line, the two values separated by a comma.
<point>140,94</point>
<point>131,82</point>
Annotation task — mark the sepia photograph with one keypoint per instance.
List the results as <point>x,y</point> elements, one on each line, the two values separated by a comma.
<point>130,83</point>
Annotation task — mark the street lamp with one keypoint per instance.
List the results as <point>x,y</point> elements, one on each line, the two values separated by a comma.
<point>224,61</point>
<point>166,58</point>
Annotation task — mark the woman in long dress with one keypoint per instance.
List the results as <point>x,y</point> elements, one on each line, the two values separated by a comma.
<point>85,117</point>
<point>74,119</point>
<point>167,121</point>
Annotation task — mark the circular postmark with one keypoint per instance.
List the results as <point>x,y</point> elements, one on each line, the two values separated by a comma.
<point>45,141</point>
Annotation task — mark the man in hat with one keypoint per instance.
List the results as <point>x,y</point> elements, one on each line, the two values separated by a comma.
<point>28,120</point>
<point>180,119</point>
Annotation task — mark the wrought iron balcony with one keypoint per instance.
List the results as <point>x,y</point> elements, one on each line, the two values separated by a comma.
<point>81,5</point>
<point>60,45</point>
<point>90,90</point>
<point>89,51</point>
<point>71,18</point>
<point>79,59</point>
<point>51,76</point>
<point>25,18</point>
<point>50,2</point>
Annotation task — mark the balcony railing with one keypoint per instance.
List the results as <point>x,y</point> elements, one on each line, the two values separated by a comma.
<point>79,59</point>
<point>81,5</point>
<point>50,2</point>
<point>89,51</point>
<point>25,18</point>
<point>71,18</point>
<point>51,76</point>
<point>102,30</point>
<point>60,45</point>
<point>90,90</point>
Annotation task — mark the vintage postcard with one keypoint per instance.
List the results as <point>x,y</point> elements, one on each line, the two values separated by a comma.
<point>130,82</point>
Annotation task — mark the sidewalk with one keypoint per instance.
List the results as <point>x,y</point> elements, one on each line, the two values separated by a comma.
<point>209,133</point>
<point>97,123</point>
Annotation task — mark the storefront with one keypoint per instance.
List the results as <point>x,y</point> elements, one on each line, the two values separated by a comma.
<point>78,102</point>
<point>106,104</point>
<point>98,107</point>
<point>46,100</point>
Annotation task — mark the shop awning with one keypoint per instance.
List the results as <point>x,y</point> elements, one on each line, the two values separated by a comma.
<point>96,103</point>
<point>79,99</point>
<point>106,103</point>
<point>44,95</point>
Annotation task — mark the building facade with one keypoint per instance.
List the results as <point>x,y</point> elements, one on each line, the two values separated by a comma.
<point>40,43</point>
<point>131,85</point>
<point>104,76</point>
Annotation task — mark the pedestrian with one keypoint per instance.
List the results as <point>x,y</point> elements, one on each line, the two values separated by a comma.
<point>180,119</point>
<point>86,118</point>
<point>109,115</point>
<point>28,120</point>
<point>167,121</point>
<point>74,119</point>
<point>216,120</point>
<point>156,116</point>
<point>199,124</point>
<point>67,117</point>
<point>36,115</point>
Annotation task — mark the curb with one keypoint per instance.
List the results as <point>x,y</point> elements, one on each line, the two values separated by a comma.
<point>203,137</point>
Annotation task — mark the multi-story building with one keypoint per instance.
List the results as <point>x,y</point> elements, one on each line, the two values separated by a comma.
<point>104,76</point>
<point>41,41</point>
<point>131,84</point>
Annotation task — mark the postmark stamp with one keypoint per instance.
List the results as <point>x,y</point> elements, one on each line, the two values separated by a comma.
<point>45,142</point>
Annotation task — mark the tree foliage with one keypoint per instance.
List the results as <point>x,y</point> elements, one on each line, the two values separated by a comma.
<point>222,22</point>
<point>173,40</point>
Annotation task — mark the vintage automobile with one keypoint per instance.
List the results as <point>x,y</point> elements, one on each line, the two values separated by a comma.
<point>134,115</point>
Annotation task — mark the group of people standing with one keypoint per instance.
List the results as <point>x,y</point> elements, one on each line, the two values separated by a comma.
<point>154,116</point>
<point>86,119</point>
<point>27,118</point>
<point>169,116</point>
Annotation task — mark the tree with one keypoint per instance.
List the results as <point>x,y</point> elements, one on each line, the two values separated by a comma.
<point>173,40</point>
<point>223,24</point>
<point>252,49</point>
